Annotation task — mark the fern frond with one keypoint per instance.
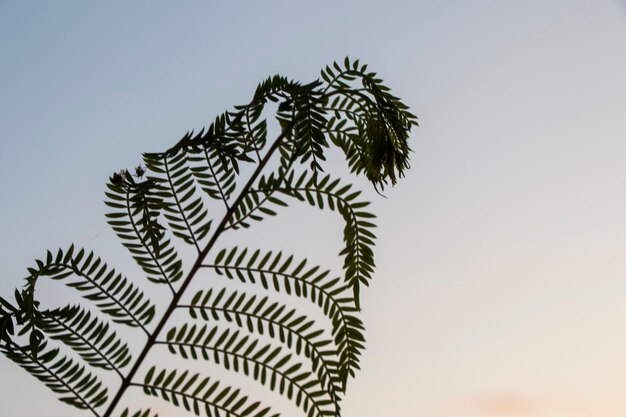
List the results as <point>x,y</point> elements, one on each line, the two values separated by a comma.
<point>182,207</point>
<point>78,387</point>
<point>260,315</point>
<point>272,271</point>
<point>256,129</point>
<point>216,170</point>
<point>310,121</point>
<point>133,219</point>
<point>111,292</point>
<point>255,207</point>
<point>195,393</point>
<point>272,89</point>
<point>140,413</point>
<point>266,364</point>
<point>357,234</point>
<point>380,149</point>
<point>88,336</point>
<point>215,175</point>
<point>348,107</point>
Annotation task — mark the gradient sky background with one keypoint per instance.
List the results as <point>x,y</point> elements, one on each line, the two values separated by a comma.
<point>501,281</point>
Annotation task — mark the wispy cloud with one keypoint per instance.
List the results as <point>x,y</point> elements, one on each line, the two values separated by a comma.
<point>515,404</point>
<point>506,405</point>
<point>500,404</point>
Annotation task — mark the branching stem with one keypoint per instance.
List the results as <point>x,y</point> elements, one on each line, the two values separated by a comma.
<point>192,273</point>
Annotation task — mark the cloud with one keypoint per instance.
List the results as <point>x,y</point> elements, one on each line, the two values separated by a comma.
<point>506,405</point>
<point>496,404</point>
<point>512,403</point>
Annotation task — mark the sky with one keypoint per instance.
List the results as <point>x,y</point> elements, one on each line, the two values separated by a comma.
<point>501,277</point>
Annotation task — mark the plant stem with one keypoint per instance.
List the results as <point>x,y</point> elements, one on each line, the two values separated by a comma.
<point>192,273</point>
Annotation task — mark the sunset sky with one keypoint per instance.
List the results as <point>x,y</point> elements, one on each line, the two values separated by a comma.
<point>500,288</point>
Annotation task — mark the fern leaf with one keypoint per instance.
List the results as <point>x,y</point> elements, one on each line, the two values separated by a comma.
<point>112,293</point>
<point>302,282</point>
<point>380,148</point>
<point>77,387</point>
<point>358,236</point>
<point>310,121</point>
<point>348,107</point>
<point>197,394</point>
<point>140,413</point>
<point>133,219</point>
<point>255,206</point>
<point>261,315</point>
<point>183,209</point>
<point>88,336</point>
<point>266,364</point>
<point>215,175</point>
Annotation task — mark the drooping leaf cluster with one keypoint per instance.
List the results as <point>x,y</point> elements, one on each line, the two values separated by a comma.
<point>247,329</point>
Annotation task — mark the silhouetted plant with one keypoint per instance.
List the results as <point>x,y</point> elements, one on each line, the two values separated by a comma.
<point>349,108</point>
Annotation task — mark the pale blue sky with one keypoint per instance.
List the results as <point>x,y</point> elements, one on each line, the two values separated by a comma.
<point>501,272</point>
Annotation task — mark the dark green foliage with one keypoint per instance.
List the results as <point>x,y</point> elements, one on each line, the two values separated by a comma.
<point>142,413</point>
<point>182,206</point>
<point>322,193</point>
<point>59,373</point>
<point>273,272</point>
<point>112,293</point>
<point>89,336</point>
<point>260,315</point>
<point>136,208</point>
<point>265,363</point>
<point>199,394</point>
<point>247,330</point>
